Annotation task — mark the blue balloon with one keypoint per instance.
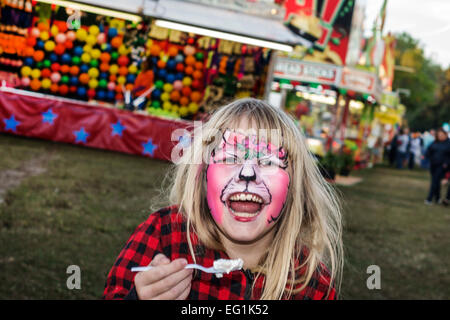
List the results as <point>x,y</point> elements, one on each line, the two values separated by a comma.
<point>110,95</point>
<point>84,68</point>
<point>40,44</point>
<point>156,94</point>
<point>103,75</point>
<point>170,78</point>
<point>66,59</point>
<point>112,32</point>
<point>179,76</point>
<point>78,51</point>
<point>73,81</point>
<point>106,47</point>
<point>101,95</point>
<point>162,73</point>
<point>81,91</point>
<point>171,64</point>
<point>53,57</point>
<point>131,78</point>
<point>28,61</point>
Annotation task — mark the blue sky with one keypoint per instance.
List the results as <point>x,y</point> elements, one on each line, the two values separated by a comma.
<point>428,21</point>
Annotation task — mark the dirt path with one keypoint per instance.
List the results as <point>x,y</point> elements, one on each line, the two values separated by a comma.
<point>12,178</point>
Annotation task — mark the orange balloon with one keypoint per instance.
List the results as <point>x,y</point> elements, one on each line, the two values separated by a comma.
<point>190,60</point>
<point>84,78</point>
<point>45,73</point>
<point>175,95</point>
<point>189,70</point>
<point>113,78</point>
<point>54,88</point>
<point>119,88</point>
<point>161,64</point>
<point>116,42</point>
<point>173,51</point>
<point>123,71</point>
<point>199,65</point>
<point>155,50</point>
<point>197,74</point>
<point>196,96</point>
<point>184,101</point>
<point>74,70</point>
<point>105,57</point>
<point>38,55</point>
<point>43,26</point>
<point>104,67</point>
<point>129,86</point>
<point>59,49</point>
<point>35,84</point>
<point>65,68</point>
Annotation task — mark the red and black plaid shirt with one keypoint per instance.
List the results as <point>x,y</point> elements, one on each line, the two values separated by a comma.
<point>165,232</point>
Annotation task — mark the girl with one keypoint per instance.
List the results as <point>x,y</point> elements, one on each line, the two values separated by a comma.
<point>247,187</point>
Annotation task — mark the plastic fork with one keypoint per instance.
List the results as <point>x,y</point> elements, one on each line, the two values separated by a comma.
<point>188,266</point>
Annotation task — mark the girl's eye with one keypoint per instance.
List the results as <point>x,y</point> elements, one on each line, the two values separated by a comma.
<point>230,160</point>
<point>265,162</point>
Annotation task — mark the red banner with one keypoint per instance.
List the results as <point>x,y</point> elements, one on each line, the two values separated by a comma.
<point>75,122</point>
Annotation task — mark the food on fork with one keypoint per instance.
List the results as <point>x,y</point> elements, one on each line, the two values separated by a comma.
<point>227,265</point>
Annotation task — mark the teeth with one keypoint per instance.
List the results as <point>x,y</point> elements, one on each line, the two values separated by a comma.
<point>244,214</point>
<point>246,197</point>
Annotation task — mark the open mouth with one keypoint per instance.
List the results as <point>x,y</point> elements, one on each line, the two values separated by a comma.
<point>245,206</point>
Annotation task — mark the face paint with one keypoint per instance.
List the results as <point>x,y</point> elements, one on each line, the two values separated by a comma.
<point>247,183</point>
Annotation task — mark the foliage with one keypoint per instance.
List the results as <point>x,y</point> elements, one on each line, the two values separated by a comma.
<point>424,83</point>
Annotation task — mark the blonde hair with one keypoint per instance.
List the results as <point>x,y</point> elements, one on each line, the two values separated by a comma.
<point>311,217</point>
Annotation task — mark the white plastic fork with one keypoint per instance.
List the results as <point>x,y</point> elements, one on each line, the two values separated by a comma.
<point>188,266</point>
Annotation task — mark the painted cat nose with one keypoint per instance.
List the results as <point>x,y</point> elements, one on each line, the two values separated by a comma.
<point>248,173</point>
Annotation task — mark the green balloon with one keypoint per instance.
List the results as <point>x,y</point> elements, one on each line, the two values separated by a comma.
<point>39,64</point>
<point>156,104</point>
<point>102,83</point>
<point>47,63</point>
<point>76,60</point>
<point>199,56</point>
<point>65,79</point>
<point>94,63</point>
<point>159,84</point>
<point>114,55</point>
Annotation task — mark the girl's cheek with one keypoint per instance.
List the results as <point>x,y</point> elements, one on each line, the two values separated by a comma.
<point>217,176</point>
<point>278,185</point>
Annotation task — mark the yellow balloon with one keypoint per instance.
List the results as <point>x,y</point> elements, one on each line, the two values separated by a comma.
<point>93,72</point>
<point>86,57</point>
<point>183,111</point>
<point>46,83</point>
<point>26,71</point>
<point>87,48</point>
<point>167,105</point>
<point>94,30</point>
<point>81,34</point>
<point>36,73</point>
<point>132,69</point>
<point>93,83</point>
<point>167,87</point>
<point>121,80</point>
<point>193,107</point>
<point>113,69</point>
<point>49,45</point>
<point>175,108</point>
<point>44,36</point>
<point>95,54</point>
<point>165,96</point>
<point>91,39</point>
<point>123,50</point>
<point>54,30</point>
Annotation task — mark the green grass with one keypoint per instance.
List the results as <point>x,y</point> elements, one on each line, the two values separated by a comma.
<point>86,204</point>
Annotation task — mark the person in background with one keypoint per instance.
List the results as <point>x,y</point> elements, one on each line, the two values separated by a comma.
<point>392,149</point>
<point>428,138</point>
<point>403,145</point>
<point>144,81</point>
<point>415,150</point>
<point>438,154</point>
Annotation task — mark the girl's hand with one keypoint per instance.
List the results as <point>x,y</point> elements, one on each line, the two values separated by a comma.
<point>167,281</point>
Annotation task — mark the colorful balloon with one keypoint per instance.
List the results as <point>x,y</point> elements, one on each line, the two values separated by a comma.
<point>167,87</point>
<point>35,84</point>
<point>86,57</point>
<point>60,38</point>
<point>94,30</point>
<point>177,85</point>
<point>81,34</point>
<point>71,35</point>
<point>91,40</point>
<point>55,77</point>
<point>35,73</point>
<point>25,71</point>
<point>25,81</point>
<point>187,81</point>
<point>93,72</point>
<point>93,83</point>
<point>44,36</point>
<point>193,107</point>
<point>38,55</point>
<point>46,83</point>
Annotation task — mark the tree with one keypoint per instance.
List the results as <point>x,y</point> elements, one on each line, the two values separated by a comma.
<point>423,105</point>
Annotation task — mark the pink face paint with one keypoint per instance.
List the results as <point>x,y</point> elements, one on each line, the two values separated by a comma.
<point>246,181</point>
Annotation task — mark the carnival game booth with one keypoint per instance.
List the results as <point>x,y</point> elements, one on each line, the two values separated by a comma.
<point>141,65</point>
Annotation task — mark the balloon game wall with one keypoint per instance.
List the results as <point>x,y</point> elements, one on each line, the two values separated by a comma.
<point>102,59</point>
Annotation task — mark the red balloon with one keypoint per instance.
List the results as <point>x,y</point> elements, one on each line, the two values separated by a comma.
<point>45,73</point>
<point>179,67</point>
<point>186,91</point>
<point>59,49</point>
<point>196,84</point>
<point>68,44</point>
<point>73,89</point>
<point>63,89</point>
<point>55,67</point>
<point>91,93</point>
<point>123,61</point>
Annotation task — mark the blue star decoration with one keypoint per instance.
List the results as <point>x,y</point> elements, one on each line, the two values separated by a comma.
<point>149,147</point>
<point>49,116</point>
<point>11,124</point>
<point>117,128</point>
<point>80,135</point>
